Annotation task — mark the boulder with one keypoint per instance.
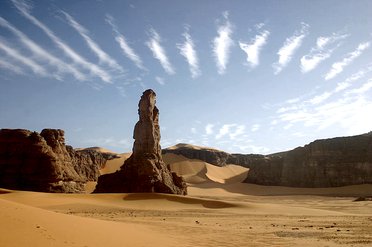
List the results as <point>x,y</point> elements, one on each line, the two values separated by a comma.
<point>144,170</point>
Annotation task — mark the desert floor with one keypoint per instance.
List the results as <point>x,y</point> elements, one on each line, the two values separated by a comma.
<point>219,211</point>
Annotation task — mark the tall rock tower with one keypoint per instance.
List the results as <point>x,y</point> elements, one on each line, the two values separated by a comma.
<point>144,170</point>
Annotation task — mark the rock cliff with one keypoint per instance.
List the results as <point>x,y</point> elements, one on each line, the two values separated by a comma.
<point>323,163</point>
<point>144,170</point>
<point>42,162</point>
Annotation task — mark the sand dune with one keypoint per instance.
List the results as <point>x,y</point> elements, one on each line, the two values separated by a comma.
<point>22,225</point>
<point>219,211</point>
<point>197,171</point>
<point>114,164</point>
<point>42,219</point>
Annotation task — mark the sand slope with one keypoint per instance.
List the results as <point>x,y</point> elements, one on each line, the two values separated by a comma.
<point>23,225</point>
<point>42,219</point>
<point>219,211</point>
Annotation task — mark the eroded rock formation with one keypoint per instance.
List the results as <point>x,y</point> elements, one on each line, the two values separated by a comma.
<point>144,170</point>
<point>323,163</point>
<point>42,162</point>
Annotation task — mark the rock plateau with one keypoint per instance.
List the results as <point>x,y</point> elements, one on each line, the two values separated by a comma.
<point>331,162</point>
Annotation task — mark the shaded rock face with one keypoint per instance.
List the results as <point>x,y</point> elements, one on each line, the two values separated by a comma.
<point>42,162</point>
<point>144,170</point>
<point>332,162</point>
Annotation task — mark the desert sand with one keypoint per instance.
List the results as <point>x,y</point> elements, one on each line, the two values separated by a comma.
<point>219,211</point>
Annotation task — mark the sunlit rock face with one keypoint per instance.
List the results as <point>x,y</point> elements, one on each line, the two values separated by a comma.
<point>144,170</point>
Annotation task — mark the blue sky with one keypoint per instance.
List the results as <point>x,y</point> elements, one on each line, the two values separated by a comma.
<point>241,76</point>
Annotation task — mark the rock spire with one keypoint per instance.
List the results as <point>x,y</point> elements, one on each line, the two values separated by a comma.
<point>144,170</point>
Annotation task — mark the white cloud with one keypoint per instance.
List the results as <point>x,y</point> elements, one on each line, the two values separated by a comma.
<point>14,68</point>
<point>126,49</point>
<point>238,131</point>
<point>230,130</point>
<point>224,130</point>
<point>363,89</point>
<point>337,108</point>
<point>320,98</point>
<point>25,8</point>
<point>255,127</point>
<point>42,54</point>
<point>253,48</point>
<point>320,52</point>
<point>84,33</point>
<point>254,149</point>
<point>158,52</point>
<point>222,44</point>
<point>289,48</point>
<point>13,53</point>
<point>209,129</point>
<point>187,49</point>
<point>338,67</point>
<point>193,130</point>
<point>160,80</point>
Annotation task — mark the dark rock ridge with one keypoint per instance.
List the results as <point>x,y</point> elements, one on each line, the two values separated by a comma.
<point>42,162</point>
<point>144,170</point>
<point>332,162</point>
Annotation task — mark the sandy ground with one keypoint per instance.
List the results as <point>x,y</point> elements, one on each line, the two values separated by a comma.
<point>219,211</point>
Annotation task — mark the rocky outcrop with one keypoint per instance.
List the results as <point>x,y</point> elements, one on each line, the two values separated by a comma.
<point>42,162</point>
<point>144,170</point>
<point>209,155</point>
<point>323,163</point>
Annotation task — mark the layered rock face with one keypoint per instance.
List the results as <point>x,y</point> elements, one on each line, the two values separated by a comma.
<point>323,163</point>
<point>144,170</point>
<point>42,162</point>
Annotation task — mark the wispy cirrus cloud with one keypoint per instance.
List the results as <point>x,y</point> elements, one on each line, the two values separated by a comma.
<point>338,67</point>
<point>253,48</point>
<point>8,66</point>
<point>158,51</point>
<point>121,40</point>
<point>320,52</point>
<point>42,55</point>
<point>289,47</point>
<point>103,57</point>
<point>17,56</point>
<point>222,44</point>
<point>187,49</point>
<point>25,8</point>
<point>347,106</point>
<point>160,80</point>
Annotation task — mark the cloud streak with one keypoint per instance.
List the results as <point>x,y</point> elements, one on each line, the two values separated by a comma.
<point>103,57</point>
<point>158,52</point>
<point>13,53</point>
<point>253,48</point>
<point>8,66</point>
<point>126,49</point>
<point>222,44</point>
<point>342,107</point>
<point>24,10</point>
<point>187,49</point>
<point>43,55</point>
<point>320,52</point>
<point>338,67</point>
<point>289,47</point>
